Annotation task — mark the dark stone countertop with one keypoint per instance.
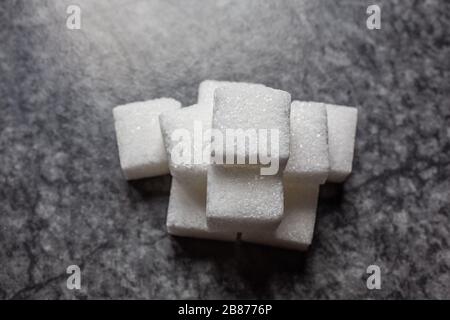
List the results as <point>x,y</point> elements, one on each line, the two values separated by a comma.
<point>63,199</point>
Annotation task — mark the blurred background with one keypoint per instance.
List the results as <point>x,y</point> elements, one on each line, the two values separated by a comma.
<point>63,199</point>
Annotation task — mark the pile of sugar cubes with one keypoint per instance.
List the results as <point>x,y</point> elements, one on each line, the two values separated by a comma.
<point>214,196</point>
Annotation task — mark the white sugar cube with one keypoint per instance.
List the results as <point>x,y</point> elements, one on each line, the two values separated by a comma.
<point>186,214</point>
<point>187,143</point>
<point>253,108</point>
<point>141,149</point>
<point>297,227</point>
<point>241,199</point>
<point>341,140</point>
<point>206,90</point>
<point>308,161</point>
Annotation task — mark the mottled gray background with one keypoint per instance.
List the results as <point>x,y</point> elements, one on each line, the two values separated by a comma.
<point>63,199</point>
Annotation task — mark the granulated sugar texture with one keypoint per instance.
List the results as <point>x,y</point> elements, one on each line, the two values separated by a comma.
<point>244,160</point>
<point>141,149</point>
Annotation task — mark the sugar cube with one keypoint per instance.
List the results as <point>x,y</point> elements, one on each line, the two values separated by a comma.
<point>308,160</point>
<point>187,143</point>
<point>341,140</point>
<point>241,199</point>
<point>206,90</point>
<point>253,107</point>
<point>186,215</point>
<point>141,149</point>
<point>297,227</point>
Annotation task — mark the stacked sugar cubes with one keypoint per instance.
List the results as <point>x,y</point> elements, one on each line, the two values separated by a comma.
<point>307,168</point>
<point>222,187</point>
<point>186,214</point>
<point>239,197</point>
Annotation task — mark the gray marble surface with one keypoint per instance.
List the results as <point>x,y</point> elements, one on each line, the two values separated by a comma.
<point>63,199</point>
